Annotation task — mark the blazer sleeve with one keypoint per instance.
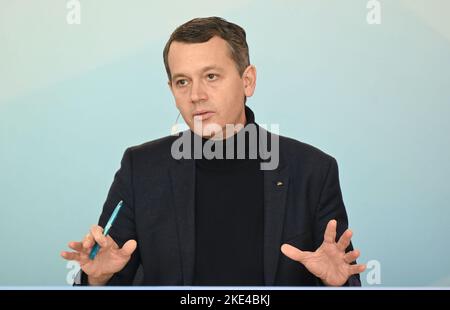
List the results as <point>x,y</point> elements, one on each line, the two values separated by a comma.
<point>123,228</point>
<point>331,206</point>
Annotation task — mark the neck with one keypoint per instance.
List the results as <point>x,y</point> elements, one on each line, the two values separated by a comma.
<point>241,140</point>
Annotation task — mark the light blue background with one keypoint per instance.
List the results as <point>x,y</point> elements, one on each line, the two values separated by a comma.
<point>376,97</point>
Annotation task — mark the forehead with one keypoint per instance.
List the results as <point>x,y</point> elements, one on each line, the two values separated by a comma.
<point>188,58</point>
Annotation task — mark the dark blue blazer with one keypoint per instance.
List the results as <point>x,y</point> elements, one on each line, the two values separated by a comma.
<point>158,194</point>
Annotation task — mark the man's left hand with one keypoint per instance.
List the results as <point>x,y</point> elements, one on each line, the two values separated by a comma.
<point>329,262</point>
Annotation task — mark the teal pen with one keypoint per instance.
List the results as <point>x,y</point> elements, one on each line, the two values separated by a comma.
<point>111,220</point>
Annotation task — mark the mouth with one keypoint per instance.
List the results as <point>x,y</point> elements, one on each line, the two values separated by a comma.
<point>203,115</point>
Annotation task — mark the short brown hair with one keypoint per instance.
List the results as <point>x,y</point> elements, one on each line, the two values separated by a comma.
<point>199,30</point>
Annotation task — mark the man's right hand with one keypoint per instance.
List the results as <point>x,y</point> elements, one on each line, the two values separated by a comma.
<point>109,259</point>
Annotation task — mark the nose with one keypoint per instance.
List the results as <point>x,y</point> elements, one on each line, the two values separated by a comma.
<point>198,92</point>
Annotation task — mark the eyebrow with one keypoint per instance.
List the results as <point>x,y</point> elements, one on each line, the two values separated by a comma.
<point>207,68</point>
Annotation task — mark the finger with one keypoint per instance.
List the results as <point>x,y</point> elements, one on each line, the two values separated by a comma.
<point>88,241</point>
<point>84,258</point>
<point>128,248</point>
<point>294,253</point>
<point>330,232</point>
<point>76,246</point>
<point>345,239</point>
<point>97,233</point>
<point>355,269</point>
<point>70,255</point>
<point>351,256</point>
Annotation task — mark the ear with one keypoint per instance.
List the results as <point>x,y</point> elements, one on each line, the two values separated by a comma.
<point>249,79</point>
<point>169,84</point>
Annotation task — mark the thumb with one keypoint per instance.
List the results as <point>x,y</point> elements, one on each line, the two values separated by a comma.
<point>128,248</point>
<point>294,253</point>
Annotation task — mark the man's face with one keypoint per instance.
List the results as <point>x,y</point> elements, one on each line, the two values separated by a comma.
<point>208,90</point>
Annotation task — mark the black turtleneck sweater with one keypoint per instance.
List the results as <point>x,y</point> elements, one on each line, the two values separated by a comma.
<point>229,220</point>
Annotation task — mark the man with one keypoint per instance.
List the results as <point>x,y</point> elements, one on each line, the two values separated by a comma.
<point>223,220</point>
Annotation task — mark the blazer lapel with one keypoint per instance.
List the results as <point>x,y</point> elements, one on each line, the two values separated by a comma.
<point>275,191</point>
<point>183,181</point>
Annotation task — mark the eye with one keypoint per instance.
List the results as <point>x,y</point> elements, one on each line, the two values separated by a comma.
<point>211,76</point>
<point>182,82</point>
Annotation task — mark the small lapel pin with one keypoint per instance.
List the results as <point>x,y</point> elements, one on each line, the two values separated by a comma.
<point>279,183</point>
